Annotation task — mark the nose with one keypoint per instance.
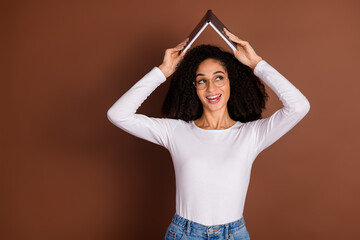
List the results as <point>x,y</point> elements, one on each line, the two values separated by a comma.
<point>211,86</point>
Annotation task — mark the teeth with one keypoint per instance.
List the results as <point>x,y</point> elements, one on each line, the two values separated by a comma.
<point>213,96</point>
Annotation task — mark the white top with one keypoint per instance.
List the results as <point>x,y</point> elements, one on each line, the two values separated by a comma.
<point>212,167</point>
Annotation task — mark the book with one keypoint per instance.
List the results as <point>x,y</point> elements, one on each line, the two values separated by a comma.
<point>213,21</point>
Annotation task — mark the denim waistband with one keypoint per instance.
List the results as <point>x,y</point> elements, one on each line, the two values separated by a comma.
<point>206,230</point>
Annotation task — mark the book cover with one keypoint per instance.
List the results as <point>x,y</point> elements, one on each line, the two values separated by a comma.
<point>215,23</point>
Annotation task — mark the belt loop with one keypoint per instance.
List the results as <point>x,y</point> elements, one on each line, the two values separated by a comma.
<point>188,228</point>
<point>226,231</point>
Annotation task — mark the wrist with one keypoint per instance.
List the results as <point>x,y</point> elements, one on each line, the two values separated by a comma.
<point>255,62</point>
<point>165,70</point>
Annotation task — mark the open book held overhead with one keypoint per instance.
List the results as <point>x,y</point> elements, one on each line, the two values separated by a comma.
<point>212,20</point>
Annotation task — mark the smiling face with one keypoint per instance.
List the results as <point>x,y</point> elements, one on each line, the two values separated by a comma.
<point>212,97</point>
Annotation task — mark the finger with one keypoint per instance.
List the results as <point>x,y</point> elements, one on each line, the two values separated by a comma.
<point>235,39</point>
<point>232,36</point>
<point>243,43</point>
<point>238,40</point>
<point>181,44</point>
<point>225,30</point>
<point>176,49</point>
<point>228,32</point>
<point>179,47</point>
<point>184,42</point>
<point>241,48</point>
<point>182,54</point>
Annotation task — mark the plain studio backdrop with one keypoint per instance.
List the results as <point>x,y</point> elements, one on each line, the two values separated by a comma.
<point>68,173</point>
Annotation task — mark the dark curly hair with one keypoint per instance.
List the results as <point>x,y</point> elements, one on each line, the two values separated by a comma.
<point>247,93</point>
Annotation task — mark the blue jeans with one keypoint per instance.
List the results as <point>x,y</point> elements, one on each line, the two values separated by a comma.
<point>181,228</point>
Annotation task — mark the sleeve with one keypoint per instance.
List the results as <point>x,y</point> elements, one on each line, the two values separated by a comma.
<point>123,112</point>
<point>296,106</point>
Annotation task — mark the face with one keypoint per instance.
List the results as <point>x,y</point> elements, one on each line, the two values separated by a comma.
<point>212,97</point>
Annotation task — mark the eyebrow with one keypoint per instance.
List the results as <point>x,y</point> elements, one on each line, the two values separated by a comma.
<point>200,74</point>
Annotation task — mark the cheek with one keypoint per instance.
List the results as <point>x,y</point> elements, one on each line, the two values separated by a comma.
<point>226,92</point>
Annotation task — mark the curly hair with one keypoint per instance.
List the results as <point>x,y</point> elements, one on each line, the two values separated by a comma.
<point>247,93</point>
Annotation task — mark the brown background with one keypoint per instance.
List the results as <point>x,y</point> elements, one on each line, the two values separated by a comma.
<point>68,173</point>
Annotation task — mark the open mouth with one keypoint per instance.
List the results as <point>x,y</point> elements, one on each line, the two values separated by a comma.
<point>214,99</point>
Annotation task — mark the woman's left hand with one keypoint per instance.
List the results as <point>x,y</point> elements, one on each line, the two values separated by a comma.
<point>244,52</point>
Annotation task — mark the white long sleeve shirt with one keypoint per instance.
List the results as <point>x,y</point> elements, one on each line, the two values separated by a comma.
<point>212,167</point>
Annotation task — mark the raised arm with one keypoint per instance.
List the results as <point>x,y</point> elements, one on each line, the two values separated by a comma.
<point>123,112</point>
<point>296,106</point>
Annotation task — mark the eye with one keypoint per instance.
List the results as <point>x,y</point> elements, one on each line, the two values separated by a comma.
<point>221,77</point>
<point>202,81</point>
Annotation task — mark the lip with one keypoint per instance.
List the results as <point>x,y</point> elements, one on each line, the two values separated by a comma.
<point>214,95</point>
<point>216,100</point>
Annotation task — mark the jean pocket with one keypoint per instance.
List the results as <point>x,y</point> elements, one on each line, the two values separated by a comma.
<point>175,232</point>
<point>170,235</point>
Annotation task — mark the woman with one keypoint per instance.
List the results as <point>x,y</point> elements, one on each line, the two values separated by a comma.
<point>213,130</point>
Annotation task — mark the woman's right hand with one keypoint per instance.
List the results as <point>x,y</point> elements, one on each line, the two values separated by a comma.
<point>172,58</point>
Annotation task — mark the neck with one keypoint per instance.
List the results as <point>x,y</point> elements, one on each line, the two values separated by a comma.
<point>215,119</point>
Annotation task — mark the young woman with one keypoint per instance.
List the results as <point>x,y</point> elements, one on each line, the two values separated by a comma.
<point>213,130</point>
